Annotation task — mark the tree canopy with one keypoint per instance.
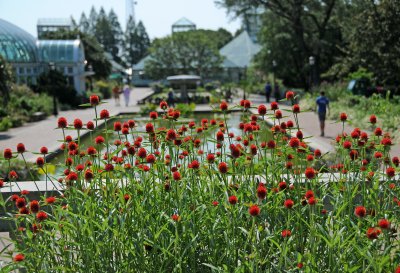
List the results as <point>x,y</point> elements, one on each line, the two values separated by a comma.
<point>6,77</point>
<point>184,53</point>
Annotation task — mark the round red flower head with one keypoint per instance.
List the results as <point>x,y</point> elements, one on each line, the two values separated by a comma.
<point>78,124</point>
<point>343,117</point>
<point>254,210</point>
<point>163,105</point>
<point>286,233</point>
<point>390,172</point>
<point>176,175</point>
<point>94,100</point>
<point>223,106</point>
<point>372,119</point>
<point>7,153</point>
<point>223,167</point>
<point>289,95</point>
<point>360,211</point>
<point>19,258</point>
<point>104,114</point>
<point>233,200</point>
<point>176,217</point>
<point>21,148</point>
<point>373,233</point>
<point>262,110</point>
<point>41,216</point>
<point>288,203</point>
<point>310,173</point>
<point>384,223</point>
<point>62,122</point>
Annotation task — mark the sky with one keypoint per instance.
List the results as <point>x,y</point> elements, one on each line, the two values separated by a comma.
<point>157,15</point>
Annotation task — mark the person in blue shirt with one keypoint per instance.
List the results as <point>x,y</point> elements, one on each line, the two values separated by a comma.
<point>268,91</point>
<point>322,106</point>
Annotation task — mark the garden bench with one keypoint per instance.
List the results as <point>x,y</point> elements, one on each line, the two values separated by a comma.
<point>37,116</point>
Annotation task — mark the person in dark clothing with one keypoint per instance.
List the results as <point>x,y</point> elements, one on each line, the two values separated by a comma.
<point>322,105</point>
<point>277,92</point>
<point>171,99</point>
<point>268,91</point>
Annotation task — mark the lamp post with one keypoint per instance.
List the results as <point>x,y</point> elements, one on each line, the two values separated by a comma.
<point>274,64</point>
<point>52,86</point>
<point>311,61</point>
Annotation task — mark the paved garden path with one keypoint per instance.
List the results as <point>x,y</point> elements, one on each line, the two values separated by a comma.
<point>42,133</point>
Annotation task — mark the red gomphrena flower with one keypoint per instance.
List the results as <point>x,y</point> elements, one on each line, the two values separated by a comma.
<point>153,115</point>
<point>125,131</point>
<point>317,153</point>
<point>104,114</point>
<point>397,269</point>
<point>127,197</point>
<point>117,126</point>
<point>299,135</point>
<point>278,114</point>
<point>150,158</point>
<point>176,217</point>
<point>44,150</point>
<point>289,165</point>
<point>131,123</point>
<point>372,119</point>
<point>19,258</point>
<point>109,167</point>
<point>195,164</point>
<point>176,114</point>
<point>262,110</point>
<point>347,144</point>
<point>390,172</point>
<point>223,167</point>
<point>1,183</point>
<point>21,148</point>
<point>176,175</point>
<point>40,161</point>
<point>300,265</point>
<point>7,153</point>
<point>282,185</point>
<point>91,151</point>
<point>310,158</point>
<point>72,146</point>
<point>373,233</point>
<point>78,124</point>
<point>210,158</point>
<point>149,128</point>
<point>396,161</point>
<point>163,105</point>
<point>343,117</point>
<point>72,176</point>
<point>360,211</point>
<point>25,192</point>
<point>312,201</point>
<point>378,132</point>
<point>294,142</point>
<point>289,124</point>
<point>309,194</point>
<point>271,144</point>
<point>94,100</point>
<point>41,216</point>
<point>261,191</point>
<point>310,173</point>
<point>253,149</point>
<point>286,233</point>
<point>355,134</point>
<point>233,200</point>
<point>50,200</point>
<point>274,105</point>
<point>90,125</point>
<point>89,175</point>
<point>296,109</point>
<point>99,140</point>
<point>386,141</point>
<point>219,136</point>
<point>254,210</point>
<point>353,154</point>
<point>289,95</point>
<point>62,122</point>
<point>223,106</point>
<point>378,155</point>
<point>142,153</point>
<point>215,203</point>
<point>14,197</point>
<point>13,175</point>
<point>384,223</point>
<point>20,202</point>
<point>34,206</point>
<point>288,203</point>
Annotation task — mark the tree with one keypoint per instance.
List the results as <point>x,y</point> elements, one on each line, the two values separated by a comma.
<point>117,36</point>
<point>103,33</point>
<point>183,53</point>
<point>92,21</point>
<point>137,42</point>
<point>6,78</point>
<point>311,27</point>
<point>84,23</point>
<point>374,42</point>
<point>94,53</point>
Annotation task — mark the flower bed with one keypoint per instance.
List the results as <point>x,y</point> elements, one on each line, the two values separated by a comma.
<point>156,200</point>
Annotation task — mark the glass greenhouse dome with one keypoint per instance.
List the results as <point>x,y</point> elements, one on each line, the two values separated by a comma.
<point>16,45</point>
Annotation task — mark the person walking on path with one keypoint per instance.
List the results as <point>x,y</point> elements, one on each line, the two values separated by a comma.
<point>268,91</point>
<point>322,105</point>
<point>277,91</point>
<point>127,92</point>
<point>116,90</point>
<point>171,99</point>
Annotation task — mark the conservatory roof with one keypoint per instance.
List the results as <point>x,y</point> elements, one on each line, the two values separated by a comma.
<point>54,22</point>
<point>183,22</point>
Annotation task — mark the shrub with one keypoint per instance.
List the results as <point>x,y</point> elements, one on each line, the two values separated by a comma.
<point>104,88</point>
